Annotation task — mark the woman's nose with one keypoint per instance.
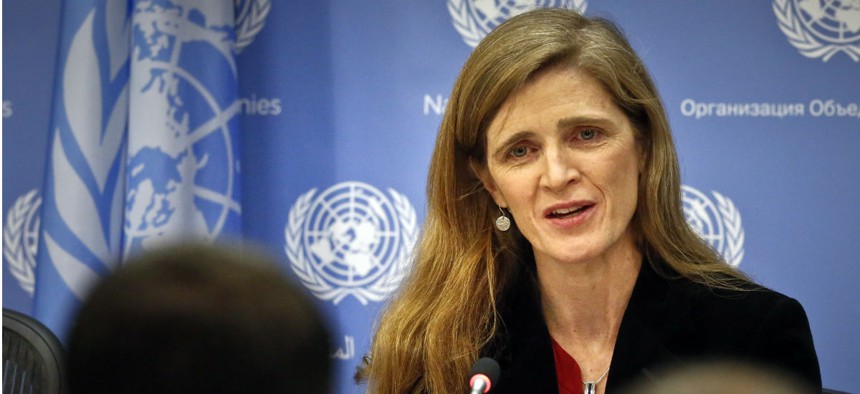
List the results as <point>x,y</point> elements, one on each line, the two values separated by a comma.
<point>560,170</point>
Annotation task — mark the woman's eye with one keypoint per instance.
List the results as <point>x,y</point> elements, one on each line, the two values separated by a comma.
<point>519,151</point>
<point>587,134</point>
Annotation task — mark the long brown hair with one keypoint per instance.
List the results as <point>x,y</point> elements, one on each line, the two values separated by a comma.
<point>446,310</point>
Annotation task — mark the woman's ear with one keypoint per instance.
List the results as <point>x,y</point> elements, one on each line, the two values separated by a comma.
<point>482,173</point>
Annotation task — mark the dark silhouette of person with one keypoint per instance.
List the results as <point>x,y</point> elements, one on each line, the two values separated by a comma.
<point>199,319</point>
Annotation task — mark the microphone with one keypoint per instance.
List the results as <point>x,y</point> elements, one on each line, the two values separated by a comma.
<point>484,373</point>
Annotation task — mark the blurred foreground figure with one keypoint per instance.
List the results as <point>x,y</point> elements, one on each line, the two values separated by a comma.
<point>723,377</point>
<point>196,319</point>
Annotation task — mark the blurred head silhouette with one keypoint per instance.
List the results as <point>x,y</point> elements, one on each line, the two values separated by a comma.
<point>198,319</point>
<point>719,377</point>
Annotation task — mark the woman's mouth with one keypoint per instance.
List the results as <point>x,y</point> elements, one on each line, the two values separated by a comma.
<point>563,213</point>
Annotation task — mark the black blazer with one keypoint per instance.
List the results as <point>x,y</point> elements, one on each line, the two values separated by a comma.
<point>667,321</point>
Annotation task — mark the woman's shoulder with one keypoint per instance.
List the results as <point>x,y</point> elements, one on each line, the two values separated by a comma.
<point>753,323</point>
<point>715,291</point>
<point>746,308</point>
<point>749,300</point>
<point>703,318</point>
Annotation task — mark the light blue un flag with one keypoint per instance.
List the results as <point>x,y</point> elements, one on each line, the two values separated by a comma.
<point>144,145</point>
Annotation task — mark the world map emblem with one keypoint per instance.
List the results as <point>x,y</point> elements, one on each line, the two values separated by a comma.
<point>350,240</point>
<point>474,19</point>
<point>716,221</point>
<point>183,172</point>
<point>821,28</point>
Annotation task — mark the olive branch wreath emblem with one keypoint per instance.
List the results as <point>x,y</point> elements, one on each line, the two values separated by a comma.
<point>733,251</point>
<point>472,34</point>
<point>20,239</point>
<point>250,19</point>
<point>376,291</point>
<point>791,25</point>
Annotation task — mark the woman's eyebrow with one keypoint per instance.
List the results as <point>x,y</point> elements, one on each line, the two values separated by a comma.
<point>571,121</point>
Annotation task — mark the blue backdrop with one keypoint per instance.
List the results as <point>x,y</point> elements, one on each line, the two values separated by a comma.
<point>340,102</point>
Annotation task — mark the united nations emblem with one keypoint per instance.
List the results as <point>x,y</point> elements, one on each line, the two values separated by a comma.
<point>718,224</point>
<point>182,179</point>
<point>474,19</point>
<point>821,28</point>
<point>144,150</point>
<point>350,240</point>
<point>21,239</point>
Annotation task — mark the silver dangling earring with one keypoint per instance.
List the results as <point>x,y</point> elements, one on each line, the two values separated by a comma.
<point>502,222</point>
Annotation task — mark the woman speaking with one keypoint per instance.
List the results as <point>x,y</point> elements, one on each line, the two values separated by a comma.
<point>555,239</point>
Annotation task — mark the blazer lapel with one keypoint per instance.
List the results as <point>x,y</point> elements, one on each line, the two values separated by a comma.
<point>654,323</point>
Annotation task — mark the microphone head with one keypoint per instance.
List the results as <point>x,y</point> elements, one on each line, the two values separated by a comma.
<point>485,368</point>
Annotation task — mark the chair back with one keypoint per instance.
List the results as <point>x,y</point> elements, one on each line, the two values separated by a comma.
<point>33,358</point>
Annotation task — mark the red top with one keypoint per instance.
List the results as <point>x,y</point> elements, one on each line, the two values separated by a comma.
<point>567,371</point>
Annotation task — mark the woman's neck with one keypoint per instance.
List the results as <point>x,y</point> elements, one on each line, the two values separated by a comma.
<point>583,304</point>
